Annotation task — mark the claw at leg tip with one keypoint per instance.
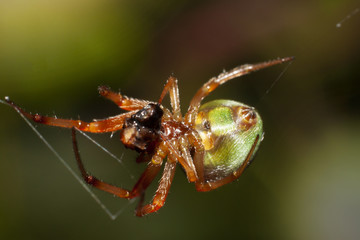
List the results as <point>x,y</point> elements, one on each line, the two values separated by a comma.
<point>286,59</point>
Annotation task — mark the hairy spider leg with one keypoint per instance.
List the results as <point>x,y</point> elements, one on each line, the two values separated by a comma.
<point>141,185</point>
<point>179,153</point>
<point>172,88</point>
<point>184,147</point>
<point>203,186</point>
<point>198,158</point>
<point>161,192</point>
<point>124,102</point>
<point>182,156</point>
<point>110,124</point>
<point>214,82</point>
<point>185,163</point>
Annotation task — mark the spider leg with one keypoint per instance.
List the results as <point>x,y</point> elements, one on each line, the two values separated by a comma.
<point>141,202</point>
<point>107,125</point>
<point>198,158</point>
<point>161,192</point>
<point>144,181</point>
<point>204,186</point>
<point>214,82</point>
<point>185,163</point>
<point>124,102</point>
<point>190,167</point>
<point>172,88</point>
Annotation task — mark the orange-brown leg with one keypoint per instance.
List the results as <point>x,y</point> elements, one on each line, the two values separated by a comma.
<point>107,125</point>
<point>214,82</point>
<point>204,186</point>
<point>124,102</point>
<point>198,158</point>
<point>172,88</point>
<point>189,169</point>
<point>144,181</point>
<point>161,193</point>
<point>185,152</point>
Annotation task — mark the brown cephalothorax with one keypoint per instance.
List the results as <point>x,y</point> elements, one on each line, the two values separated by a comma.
<point>141,130</point>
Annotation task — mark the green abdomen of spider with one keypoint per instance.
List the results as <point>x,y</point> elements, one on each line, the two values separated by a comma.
<point>228,130</point>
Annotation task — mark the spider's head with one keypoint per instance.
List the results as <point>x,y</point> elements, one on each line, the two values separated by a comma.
<point>141,130</point>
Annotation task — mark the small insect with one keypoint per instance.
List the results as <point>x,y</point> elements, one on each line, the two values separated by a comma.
<point>213,142</point>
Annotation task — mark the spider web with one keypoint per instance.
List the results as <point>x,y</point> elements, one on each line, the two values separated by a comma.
<point>112,215</point>
<point>275,81</point>
<point>338,25</point>
<point>350,15</point>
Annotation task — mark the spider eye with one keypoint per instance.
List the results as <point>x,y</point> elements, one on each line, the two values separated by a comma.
<point>234,129</point>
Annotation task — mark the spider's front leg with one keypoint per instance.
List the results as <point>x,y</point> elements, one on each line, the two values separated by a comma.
<point>215,82</point>
<point>172,88</point>
<point>107,125</point>
<point>124,102</point>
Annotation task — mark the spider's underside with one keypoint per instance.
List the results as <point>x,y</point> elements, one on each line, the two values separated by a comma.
<point>213,143</point>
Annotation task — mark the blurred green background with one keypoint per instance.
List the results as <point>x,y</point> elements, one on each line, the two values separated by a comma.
<point>305,181</point>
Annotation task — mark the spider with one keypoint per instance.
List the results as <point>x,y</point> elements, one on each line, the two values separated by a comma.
<point>213,142</point>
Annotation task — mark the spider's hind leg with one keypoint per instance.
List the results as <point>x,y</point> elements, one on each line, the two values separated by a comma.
<point>161,192</point>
